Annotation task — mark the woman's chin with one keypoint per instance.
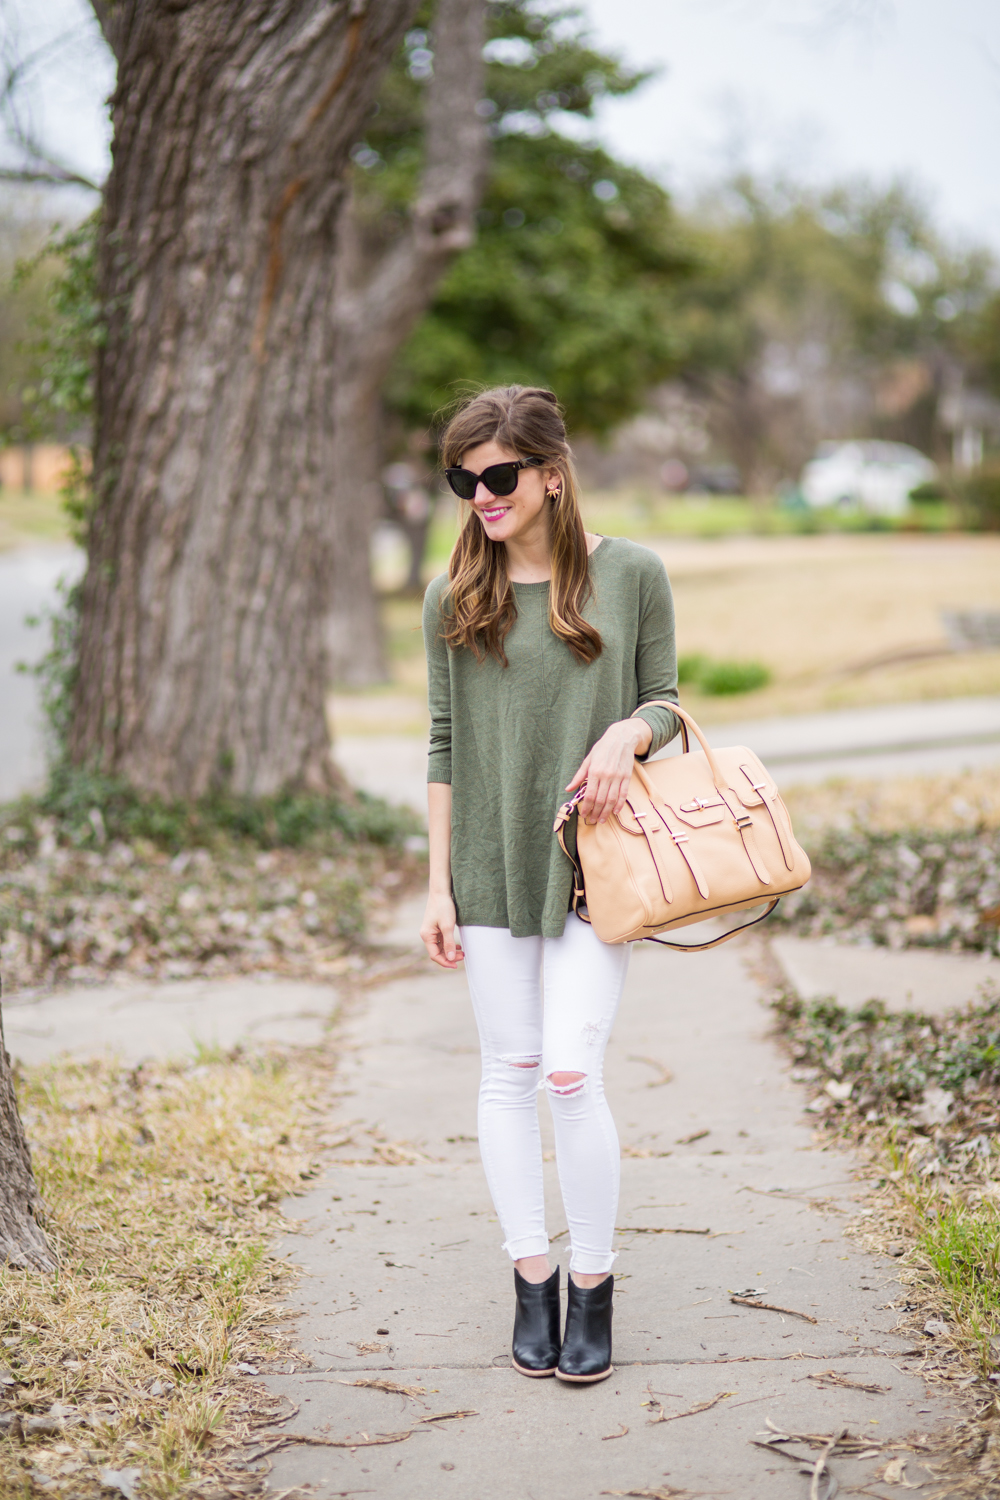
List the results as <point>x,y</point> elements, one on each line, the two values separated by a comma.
<point>497,531</point>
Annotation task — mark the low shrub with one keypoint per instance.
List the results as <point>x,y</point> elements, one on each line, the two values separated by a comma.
<point>921,888</point>
<point>717,678</point>
<point>690,667</point>
<point>90,809</point>
<point>723,677</point>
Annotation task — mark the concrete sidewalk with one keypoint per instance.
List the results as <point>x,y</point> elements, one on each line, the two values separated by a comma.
<point>725,1189</point>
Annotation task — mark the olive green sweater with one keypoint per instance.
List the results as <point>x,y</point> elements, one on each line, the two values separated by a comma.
<point>508,739</point>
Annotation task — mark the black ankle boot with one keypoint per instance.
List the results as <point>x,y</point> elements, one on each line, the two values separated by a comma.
<point>536,1325</point>
<point>586,1350</point>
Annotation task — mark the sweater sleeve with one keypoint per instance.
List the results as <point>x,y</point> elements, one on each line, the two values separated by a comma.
<point>656,654</point>
<point>438,685</point>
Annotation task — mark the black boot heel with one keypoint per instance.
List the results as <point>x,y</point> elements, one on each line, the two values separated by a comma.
<point>586,1350</point>
<point>536,1325</point>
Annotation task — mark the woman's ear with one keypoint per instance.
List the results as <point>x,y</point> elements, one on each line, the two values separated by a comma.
<point>553,484</point>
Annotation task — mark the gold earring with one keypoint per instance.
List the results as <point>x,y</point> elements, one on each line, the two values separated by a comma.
<point>552,494</point>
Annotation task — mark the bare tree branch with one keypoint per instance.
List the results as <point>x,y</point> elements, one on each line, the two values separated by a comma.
<point>53,176</point>
<point>38,164</point>
<point>379,309</point>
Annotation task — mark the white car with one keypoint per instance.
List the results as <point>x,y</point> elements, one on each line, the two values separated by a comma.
<point>876,476</point>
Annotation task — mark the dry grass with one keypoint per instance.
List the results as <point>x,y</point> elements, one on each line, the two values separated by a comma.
<point>808,607</point>
<point>942,804</point>
<point>27,518</point>
<point>804,606</point>
<point>161,1184</point>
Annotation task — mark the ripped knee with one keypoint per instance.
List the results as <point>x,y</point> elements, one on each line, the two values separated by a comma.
<point>565,1084</point>
<point>522,1060</point>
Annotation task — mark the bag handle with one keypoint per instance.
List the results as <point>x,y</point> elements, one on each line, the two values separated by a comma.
<point>703,947</point>
<point>721,784</point>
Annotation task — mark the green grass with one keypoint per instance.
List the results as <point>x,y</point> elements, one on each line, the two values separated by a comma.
<point>962,1244</point>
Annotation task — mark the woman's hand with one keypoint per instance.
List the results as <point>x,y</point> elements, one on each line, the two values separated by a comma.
<point>607,769</point>
<point>437,932</point>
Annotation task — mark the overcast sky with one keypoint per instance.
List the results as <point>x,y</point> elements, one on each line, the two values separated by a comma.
<point>824,87</point>
<point>820,87</point>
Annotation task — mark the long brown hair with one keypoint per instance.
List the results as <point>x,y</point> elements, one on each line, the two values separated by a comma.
<point>481,606</point>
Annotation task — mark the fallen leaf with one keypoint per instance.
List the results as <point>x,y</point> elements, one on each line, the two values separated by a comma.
<point>122,1480</point>
<point>895,1473</point>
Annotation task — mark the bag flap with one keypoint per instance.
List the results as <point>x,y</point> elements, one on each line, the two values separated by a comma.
<point>686,786</point>
<point>628,818</point>
<point>699,812</point>
<point>747,775</point>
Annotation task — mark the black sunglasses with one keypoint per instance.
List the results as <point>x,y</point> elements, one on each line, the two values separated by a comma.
<point>499,479</point>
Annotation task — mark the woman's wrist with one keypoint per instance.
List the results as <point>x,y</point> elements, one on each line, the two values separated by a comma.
<point>643,734</point>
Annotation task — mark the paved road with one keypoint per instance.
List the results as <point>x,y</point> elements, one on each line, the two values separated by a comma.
<point>28,579</point>
<point>901,739</point>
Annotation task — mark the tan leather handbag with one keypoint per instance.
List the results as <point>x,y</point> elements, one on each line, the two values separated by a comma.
<point>701,834</point>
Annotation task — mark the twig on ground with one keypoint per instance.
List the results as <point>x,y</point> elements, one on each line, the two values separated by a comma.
<point>609,1435</point>
<point>833,1377</point>
<point>821,1463</point>
<point>376,1383</point>
<point>646,1229</point>
<point>287,1439</point>
<point>689,1140</point>
<point>665,1074</point>
<point>665,1493</point>
<point>773,1307</point>
<point>692,1411</point>
<point>845,1442</point>
<point>447,1416</point>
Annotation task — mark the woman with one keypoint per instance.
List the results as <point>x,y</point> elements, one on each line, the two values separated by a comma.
<point>541,642</point>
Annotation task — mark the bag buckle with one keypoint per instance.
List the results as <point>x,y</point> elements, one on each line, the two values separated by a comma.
<point>744,822</point>
<point>568,808</point>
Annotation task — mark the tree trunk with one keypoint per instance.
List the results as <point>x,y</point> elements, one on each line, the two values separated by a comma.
<point>22,1240</point>
<point>377,309</point>
<point>354,626</point>
<point>215,535</point>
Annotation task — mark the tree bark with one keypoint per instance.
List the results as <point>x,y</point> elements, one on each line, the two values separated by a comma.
<point>22,1240</point>
<point>215,533</point>
<point>377,308</point>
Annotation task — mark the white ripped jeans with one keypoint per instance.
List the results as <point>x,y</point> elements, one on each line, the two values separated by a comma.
<point>524,1041</point>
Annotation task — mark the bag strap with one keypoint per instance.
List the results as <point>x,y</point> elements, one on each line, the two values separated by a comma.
<point>702,947</point>
<point>562,817</point>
